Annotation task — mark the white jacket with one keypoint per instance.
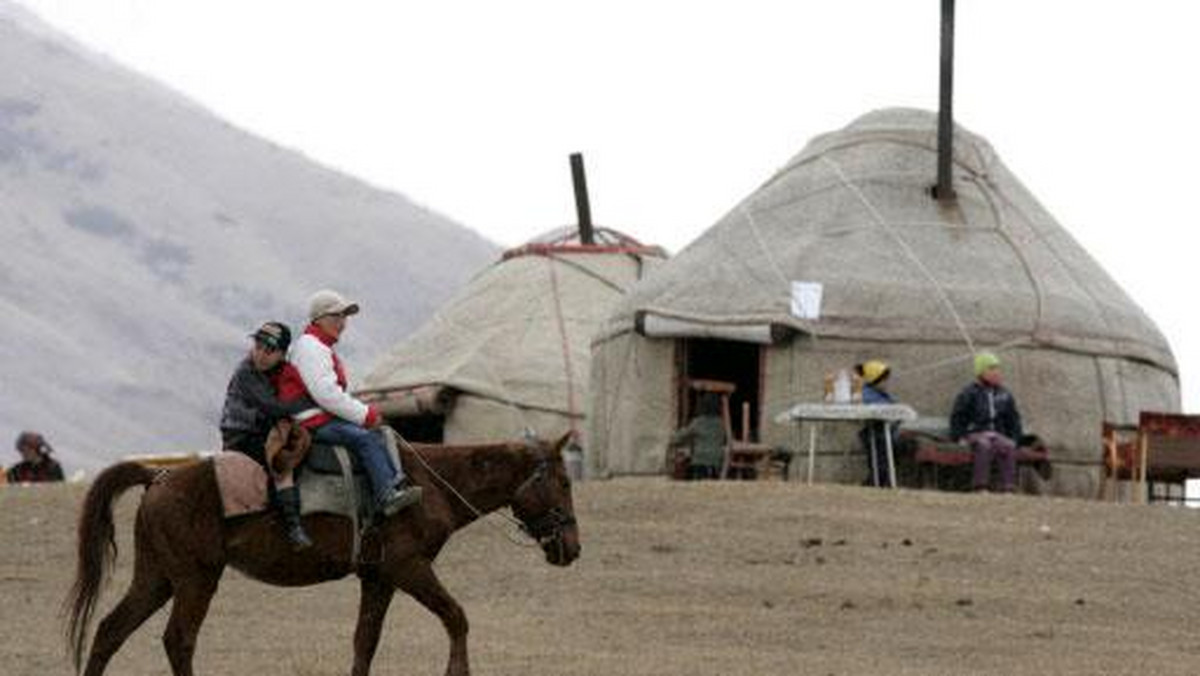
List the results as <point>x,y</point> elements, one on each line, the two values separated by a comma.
<point>323,378</point>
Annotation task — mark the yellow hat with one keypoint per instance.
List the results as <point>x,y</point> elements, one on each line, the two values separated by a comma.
<point>985,361</point>
<point>873,371</point>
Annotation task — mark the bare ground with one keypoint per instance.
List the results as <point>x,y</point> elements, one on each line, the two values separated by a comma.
<point>723,579</point>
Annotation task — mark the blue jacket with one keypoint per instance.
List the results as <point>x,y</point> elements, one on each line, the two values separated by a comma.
<point>870,395</point>
<point>980,407</point>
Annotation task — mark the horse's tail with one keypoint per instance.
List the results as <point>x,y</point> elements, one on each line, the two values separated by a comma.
<point>97,547</point>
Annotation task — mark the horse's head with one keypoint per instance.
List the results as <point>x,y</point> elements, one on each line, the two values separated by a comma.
<point>543,504</point>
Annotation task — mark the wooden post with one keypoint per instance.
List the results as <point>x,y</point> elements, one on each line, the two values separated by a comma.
<point>746,421</point>
<point>727,420</point>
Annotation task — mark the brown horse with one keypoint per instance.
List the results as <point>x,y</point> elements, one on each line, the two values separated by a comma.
<point>182,545</point>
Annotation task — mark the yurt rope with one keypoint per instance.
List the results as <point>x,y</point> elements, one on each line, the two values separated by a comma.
<point>939,288</point>
<point>758,239</point>
<point>912,255</point>
<point>565,343</point>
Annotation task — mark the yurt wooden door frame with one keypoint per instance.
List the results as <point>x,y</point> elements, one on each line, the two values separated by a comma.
<point>740,363</point>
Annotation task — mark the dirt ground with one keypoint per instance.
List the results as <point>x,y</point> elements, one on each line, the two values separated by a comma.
<point>727,579</point>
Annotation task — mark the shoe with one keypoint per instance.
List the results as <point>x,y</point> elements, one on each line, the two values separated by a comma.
<point>398,499</point>
<point>297,537</point>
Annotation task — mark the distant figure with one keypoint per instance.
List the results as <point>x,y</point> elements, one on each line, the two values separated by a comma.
<point>874,435</point>
<point>705,434</point>
<point>985,416</point>
<point>36,464</point>
<point>252,409</point>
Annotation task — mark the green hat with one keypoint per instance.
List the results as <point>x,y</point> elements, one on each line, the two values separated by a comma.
<point>985,361</point>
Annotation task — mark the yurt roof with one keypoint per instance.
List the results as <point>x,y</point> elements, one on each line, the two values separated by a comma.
<point>851,219</point>
<point>520,331</point>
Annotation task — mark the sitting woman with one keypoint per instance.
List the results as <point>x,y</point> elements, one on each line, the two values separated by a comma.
<point>705,434</point>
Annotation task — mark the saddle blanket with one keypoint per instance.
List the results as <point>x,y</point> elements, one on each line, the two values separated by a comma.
<point>242,482</point>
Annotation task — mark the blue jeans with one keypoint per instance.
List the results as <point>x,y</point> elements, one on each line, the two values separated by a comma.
<point>370,448</point>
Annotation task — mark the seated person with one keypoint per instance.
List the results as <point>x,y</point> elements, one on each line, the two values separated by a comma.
<point>252,408</point>
<point>985,417</point>
<point>706,436</point>
<point>314,374</point>
<point>874,373</point>
<point>36,464</point>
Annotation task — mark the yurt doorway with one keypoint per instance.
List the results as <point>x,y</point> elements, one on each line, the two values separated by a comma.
<point>728,361</point>
<point>425,429</point>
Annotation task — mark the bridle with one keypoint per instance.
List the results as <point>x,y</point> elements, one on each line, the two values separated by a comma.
<point>550,526</point>
<point>545,529</point>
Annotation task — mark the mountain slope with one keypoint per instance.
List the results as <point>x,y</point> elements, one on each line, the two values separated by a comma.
<point>143,238</point>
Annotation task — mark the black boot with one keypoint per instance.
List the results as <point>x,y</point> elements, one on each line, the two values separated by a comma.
<point>289,509</point>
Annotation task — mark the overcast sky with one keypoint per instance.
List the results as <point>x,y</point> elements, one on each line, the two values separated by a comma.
<point>682,109</point>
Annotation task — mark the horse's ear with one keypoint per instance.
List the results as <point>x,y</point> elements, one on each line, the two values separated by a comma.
<point>562,442</point>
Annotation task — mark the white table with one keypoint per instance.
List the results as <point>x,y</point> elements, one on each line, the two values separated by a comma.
<point>817,413</point>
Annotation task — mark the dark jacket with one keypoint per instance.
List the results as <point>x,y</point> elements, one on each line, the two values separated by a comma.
<point>251,409</point>
<point>706,434</point>
<point>980,407</point>
<point>27,472</point>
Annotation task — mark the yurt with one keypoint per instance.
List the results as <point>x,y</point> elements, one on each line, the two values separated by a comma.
<point>845,255</point>
<point>509,354</point>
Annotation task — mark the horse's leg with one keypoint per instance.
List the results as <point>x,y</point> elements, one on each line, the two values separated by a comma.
<point>374,599</point>
<point>420,582</point>
<point>192,597</point>
<point>141,600</point>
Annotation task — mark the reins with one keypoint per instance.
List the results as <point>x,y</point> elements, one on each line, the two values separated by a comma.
<point>474,510</point>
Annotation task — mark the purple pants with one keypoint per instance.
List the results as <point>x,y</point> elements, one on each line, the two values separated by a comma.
<point>992,446</point>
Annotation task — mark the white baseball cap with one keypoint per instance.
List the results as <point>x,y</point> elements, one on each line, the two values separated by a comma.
<point>326,302</point>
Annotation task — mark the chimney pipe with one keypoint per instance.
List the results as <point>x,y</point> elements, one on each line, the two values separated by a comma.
<point>582,208</point>
<point>944,190</point>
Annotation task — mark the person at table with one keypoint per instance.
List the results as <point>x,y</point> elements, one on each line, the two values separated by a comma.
<point>705,435</point>
<point>986,418</point>
<point>874,435</point>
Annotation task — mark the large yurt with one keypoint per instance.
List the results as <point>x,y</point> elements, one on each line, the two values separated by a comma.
<point>844,255</point>
<point>509,353</point>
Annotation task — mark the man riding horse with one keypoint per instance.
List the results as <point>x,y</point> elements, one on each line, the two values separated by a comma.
<point>314,374</point>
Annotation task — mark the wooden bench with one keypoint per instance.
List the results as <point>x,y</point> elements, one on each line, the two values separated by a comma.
<point>1168,453</point>
<point>935,456</point>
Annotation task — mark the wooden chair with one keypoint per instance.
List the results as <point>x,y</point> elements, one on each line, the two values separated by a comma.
<point>1120,459</point>
<point>748,459</point>
<point>1168,452</point>
<point>744,459</point>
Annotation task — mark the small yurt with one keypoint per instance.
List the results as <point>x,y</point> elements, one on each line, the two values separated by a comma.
<point>510,352</point>
<point>844,255</point>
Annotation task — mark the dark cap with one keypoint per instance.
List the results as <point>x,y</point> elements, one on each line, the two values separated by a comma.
<point>27,438</point>
<point>275,335</point>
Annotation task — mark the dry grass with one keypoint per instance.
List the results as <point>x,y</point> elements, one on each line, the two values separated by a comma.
<point>725,579</point>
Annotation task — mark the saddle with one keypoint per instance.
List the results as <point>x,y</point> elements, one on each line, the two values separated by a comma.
<point>331,479</point>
